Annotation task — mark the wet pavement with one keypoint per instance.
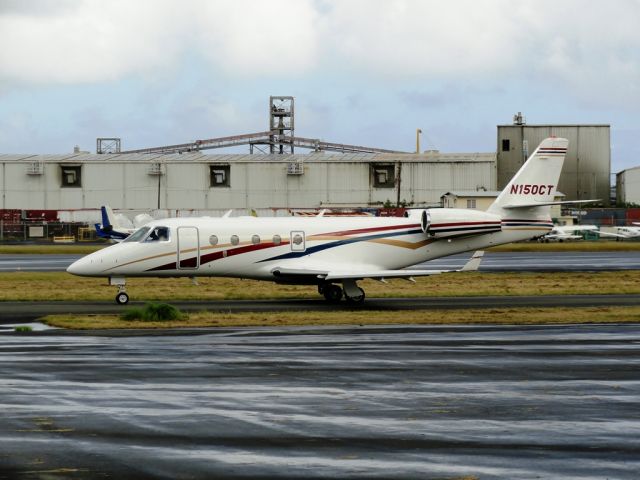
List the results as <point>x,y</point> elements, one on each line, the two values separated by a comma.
<point>351,402</point>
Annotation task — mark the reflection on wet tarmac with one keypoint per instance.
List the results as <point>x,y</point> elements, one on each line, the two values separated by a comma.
<point>392,402</point>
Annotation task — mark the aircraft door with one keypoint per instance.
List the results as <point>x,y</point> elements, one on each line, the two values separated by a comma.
<point>298,243</point>
<point>188,248</point>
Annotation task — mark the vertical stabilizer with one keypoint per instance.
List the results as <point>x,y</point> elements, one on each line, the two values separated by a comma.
<point>537,180</point>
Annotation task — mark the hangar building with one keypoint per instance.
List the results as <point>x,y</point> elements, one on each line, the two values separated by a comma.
<point>628,186</point>
<point>213,182</point>
<point>587,168</point>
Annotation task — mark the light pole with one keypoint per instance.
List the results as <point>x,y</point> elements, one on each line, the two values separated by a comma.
<point>418,132</point>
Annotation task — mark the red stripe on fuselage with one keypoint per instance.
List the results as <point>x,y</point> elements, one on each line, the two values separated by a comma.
<point>364,230</point>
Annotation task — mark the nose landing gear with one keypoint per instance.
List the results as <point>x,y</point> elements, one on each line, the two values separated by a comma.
<point>121,298</point>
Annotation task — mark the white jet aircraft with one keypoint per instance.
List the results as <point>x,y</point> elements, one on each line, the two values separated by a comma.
<point>624,232</point>
<point>567,232</point>
<point>112,229</point>
<point>333,252</point>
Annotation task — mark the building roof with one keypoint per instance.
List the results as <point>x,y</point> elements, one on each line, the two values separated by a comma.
<point>194,157</point>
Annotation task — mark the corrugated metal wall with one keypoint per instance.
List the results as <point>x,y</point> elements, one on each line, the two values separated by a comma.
<point>255,181</point>
<point>628,186</point>
<point>587,169</point>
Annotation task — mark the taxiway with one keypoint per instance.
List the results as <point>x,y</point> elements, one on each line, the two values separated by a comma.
<point>353,402</point>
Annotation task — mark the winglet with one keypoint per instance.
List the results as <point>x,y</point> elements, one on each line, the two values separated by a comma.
<point>474,262</point>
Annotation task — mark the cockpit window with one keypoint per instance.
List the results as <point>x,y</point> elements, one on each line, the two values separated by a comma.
<point>138,235</point>
<point>158,234</point>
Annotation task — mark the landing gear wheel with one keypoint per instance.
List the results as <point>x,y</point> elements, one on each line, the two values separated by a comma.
<point>122,298</point>
<point>332,293</point>
<point>358,299</point>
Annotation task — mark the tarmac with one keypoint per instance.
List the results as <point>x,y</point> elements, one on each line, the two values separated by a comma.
<point>417,402</point>
<point>12,312</point>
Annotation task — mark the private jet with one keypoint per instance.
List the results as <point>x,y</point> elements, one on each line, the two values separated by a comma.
<point>334,253</point>
<point>625,232</point>
<point>567,232</point>
<point>111,227</point>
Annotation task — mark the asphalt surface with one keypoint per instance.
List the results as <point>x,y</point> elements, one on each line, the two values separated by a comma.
<point>369,402</point>
<point>28,311</point>
<point>492,262</point>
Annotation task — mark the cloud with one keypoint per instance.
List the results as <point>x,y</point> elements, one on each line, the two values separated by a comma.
<point>592,53</point>
<point>92,42</point>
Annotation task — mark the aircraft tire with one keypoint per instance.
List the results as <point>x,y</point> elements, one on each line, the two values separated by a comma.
<point>357,300</point>
<point>122,298</point>
<point>332,293</point>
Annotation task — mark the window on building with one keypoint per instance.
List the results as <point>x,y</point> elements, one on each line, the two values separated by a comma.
<point>506,144</point>
<point>471,203</point>
<point>220,175</point>
<point>383,176</point>
<point>71,175</point>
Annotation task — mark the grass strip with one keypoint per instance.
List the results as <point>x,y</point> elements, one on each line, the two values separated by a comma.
<point>519,316</point>
<point>50,286</point>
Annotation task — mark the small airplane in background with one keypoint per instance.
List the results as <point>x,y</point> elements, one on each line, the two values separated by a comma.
<point>567,232</point>
<point>112,227</point>
<point>624,232</point>
<point>334,253</point>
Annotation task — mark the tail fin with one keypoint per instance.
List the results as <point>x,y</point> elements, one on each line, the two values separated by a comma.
<point>109,221</point>
<point>536,182</point>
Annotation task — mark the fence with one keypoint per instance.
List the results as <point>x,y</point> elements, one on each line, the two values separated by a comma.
<point>57,232</point>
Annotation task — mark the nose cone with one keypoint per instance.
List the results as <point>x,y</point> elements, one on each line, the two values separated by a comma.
<point>82,267</point>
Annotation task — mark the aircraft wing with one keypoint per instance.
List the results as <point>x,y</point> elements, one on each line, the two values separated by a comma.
<point>609,234</point>
<point>553,236</point>
<point>576,228</point>
<point>331,274</point>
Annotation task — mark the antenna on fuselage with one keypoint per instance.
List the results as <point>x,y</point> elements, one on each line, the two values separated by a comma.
<point>227,214</point>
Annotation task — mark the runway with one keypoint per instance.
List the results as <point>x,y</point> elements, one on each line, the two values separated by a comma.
<point>12,312</point>
<point>492,262</point>
<point>370,402</point>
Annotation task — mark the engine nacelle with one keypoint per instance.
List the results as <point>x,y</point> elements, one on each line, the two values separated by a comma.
<point>422,215</point>
<point>455,222</point>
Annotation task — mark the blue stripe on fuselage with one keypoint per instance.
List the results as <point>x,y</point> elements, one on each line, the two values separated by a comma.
<point>325,246</point>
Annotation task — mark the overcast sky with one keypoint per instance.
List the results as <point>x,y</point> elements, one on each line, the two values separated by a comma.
<point>366,72</point>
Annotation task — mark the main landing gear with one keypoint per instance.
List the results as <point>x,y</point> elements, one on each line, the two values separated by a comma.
<point>121,298</point>
<point>352,293</point>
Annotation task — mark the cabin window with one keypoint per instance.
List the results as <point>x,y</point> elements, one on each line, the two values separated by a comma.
<point>71,175</point>
<point>506,144</point>
<point>255,239</point>
<point>235,240</point>
<point>383,176</point>
<point>213,240</point>
<point>220,175</point>
<point>138,235</point>
<point>277,240</point>
<point>471,203</point>
<point>158,234</point>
